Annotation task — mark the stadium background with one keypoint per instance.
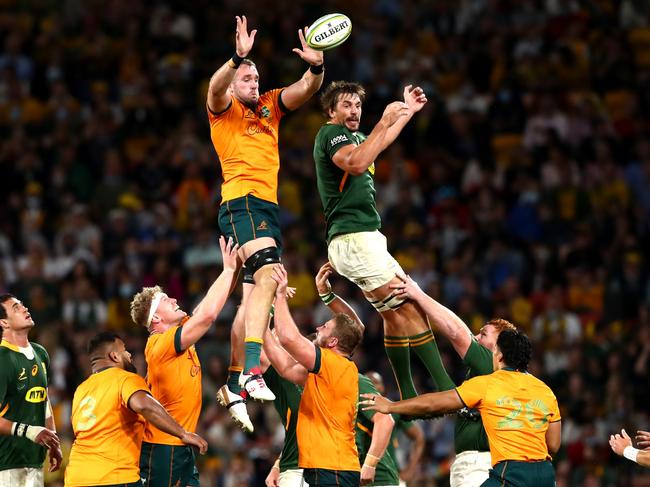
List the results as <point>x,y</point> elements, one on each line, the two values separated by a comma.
<point>522,190</point>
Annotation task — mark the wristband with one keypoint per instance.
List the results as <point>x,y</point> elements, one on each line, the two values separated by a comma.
<point>630,453</point>
<point>235,61</point>
<point>276,464</point>
<point>371,461</point>
<point>316,69</point>
<point>26,431</point>
<point>327,298</point>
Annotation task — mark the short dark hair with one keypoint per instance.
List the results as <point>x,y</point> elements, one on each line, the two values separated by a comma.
<point>3,299</point>
<point>100,340</point>
<point>330,96</point>
<point>348,332</point>
<point>516,349</point>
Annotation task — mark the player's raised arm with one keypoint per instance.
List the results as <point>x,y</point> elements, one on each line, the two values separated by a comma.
<point>212,304</point>
<point>299,347</point>
<point>356,159</point>
<point>415,99</point>
<point>218,97</point>
<point>281,361</point>
<point>445,320</point>
<point>302,90</point>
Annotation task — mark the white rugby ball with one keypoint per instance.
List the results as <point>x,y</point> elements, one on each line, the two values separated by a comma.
<point>329,31</point>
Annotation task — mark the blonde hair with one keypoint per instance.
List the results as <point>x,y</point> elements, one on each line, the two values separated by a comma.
<point>141,304</point>
<point>500,324</point>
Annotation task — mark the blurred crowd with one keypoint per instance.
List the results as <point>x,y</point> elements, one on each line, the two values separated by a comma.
<point>521,191</point>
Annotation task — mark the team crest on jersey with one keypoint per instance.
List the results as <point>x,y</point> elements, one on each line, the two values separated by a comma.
<point>265,112</point>
<point>22,375</point>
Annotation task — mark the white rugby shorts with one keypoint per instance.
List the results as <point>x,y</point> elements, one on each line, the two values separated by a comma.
<point>363,258</point>
<point>21,477</point>
<point>470,469</point>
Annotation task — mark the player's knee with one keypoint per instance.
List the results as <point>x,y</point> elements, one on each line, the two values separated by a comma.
<point>261,259</point>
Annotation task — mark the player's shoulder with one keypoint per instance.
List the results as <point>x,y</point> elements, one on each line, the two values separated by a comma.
<point>40,349</point>
<point>366,385</point>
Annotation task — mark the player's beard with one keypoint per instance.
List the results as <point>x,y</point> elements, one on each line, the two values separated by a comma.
<point>130,367</point>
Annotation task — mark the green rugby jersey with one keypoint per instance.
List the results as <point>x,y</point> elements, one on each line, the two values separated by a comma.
<point>348,201</point>
<point>23,398</point>
<point>287,402</point>
<point>387,471</point>
<point>469,433</point>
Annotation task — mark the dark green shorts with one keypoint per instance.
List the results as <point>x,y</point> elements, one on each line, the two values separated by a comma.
<point>511,473</point>
<point>165,465</point>
<point>319,477</point>
<point>247,218</point>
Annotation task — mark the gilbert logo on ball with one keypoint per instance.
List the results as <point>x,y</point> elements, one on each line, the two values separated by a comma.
<point>329,31</point>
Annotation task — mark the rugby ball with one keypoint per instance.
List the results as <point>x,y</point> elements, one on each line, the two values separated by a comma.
<point>329,31</point>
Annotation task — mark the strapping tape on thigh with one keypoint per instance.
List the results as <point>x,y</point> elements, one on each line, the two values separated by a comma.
<point>389,303</point>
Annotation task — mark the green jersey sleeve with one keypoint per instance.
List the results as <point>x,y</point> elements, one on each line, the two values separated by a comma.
<point>478,359</point>
<point>334,137</point>
<point>366,387</point>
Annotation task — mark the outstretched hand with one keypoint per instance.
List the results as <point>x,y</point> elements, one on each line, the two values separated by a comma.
<point>619,442</point>
<point>415,98</point>
<point>375,402</point>
<point>312,56</point>
<point>279,275</point>
<point>393,112</point>
<point>243,39</point>
<point>407,288</point>
<point>323,285</point>
<point>229,253</point>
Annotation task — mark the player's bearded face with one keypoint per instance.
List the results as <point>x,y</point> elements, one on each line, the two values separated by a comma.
<point>129,366</point>
<point>246,85</point>
<point>347,111</point>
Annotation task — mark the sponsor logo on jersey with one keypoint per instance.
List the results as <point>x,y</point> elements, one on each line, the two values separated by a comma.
<point>34,370</point>
<point>338,139</point>
<point>36,395</point>
<point>263,225</point>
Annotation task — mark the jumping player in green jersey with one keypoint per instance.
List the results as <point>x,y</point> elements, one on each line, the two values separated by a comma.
<point>345,166</point>
<point>27,428</point>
